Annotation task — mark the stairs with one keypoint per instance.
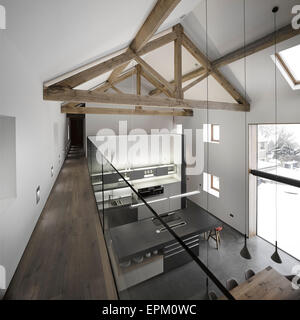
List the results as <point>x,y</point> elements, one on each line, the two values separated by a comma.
<point>75,152</point>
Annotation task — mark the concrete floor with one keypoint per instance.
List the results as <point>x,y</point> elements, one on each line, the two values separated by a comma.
<point>189,281</point>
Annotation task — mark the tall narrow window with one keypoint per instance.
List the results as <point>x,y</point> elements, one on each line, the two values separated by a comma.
<point>211,184</point>
<point>211,133</point>
<point>278,155</point>
<point>215,133</point>
<point>215,183</point>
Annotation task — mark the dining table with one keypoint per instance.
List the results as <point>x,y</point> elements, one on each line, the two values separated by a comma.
<point>267,284</point>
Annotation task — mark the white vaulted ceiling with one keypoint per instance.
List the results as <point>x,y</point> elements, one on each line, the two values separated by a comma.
<point>76,32</point>
<point>225,33</point>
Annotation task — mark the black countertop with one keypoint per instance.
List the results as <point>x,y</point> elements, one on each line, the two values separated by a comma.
<point>139,237</point>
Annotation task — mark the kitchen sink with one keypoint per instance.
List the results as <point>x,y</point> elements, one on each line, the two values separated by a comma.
<point>116,202</point>
<point>122,202</point>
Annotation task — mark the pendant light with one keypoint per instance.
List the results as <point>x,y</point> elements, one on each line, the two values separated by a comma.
<point>245,252</point>
<point>275,256</point>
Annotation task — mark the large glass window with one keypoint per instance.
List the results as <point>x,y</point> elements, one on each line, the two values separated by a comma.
<point>278,149</point>
<point>278,153</point>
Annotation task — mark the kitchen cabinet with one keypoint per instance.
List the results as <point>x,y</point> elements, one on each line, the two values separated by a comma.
<point>163,206</point>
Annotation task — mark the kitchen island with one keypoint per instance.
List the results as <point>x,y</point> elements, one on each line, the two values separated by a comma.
<point>144,249</point>
<point>140,237</point>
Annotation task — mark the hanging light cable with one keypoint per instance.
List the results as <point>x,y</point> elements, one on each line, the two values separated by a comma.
<point>245,252</point>
<point>275,256</point>
<point>207,121</point>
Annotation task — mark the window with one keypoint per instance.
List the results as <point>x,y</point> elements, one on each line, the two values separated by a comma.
<point>211,133</point>
<point>211,184</point>
<point>288,63</point>
<point>280,156</point>
<point>215,133</point>
<point>280,153</point>
<point>179,129</point>
<point>215,183</point>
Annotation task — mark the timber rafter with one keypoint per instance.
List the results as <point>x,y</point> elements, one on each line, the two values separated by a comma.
<point>65,88</point>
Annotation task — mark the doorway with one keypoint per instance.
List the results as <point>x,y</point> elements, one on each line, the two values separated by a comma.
<point>76,135</point>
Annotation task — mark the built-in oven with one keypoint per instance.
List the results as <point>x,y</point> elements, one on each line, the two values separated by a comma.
<point>151,191</point>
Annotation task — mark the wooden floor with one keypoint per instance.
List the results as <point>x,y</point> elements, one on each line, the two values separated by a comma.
<point>66,257</point>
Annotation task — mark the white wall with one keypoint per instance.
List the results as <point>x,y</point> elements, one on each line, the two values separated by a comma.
<point>229,160</point>
<point>36,148</point>
<point>94,123</point>
<point>45,39</point>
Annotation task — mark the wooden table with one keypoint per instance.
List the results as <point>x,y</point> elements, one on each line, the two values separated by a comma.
<point>266,285</point>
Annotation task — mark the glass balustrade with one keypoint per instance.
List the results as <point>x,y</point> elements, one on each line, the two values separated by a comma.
<point>155,236</point>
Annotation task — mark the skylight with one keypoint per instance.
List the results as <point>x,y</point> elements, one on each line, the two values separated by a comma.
<point>289,65</point>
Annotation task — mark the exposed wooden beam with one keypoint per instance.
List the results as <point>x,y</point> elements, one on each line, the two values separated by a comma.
<point>95,71</point>
<point>229,87</point>
<point>112,63</point>
<point>195,52</point>
<point>93,110</point>
<point>155,74</point>
<point>157,43</point>
<point>189,76</point>
<point>150,46</point>
<point>65,94</point>
<point>72,104</point>
<point>157,16</point>
<point>138,83</point>
<point>282,34</point>
<point>116,89</point>
<point>191,47</point>
<point>156,83</point>
<point>104,87</point>
<point>195,82</point>
<point>178,61</point>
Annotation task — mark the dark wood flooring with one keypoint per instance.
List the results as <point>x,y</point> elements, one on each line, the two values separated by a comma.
<point>66,257</point>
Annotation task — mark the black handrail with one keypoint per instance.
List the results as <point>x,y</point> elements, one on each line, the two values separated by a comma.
<point>187,249</point>
<point>275,177</point>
